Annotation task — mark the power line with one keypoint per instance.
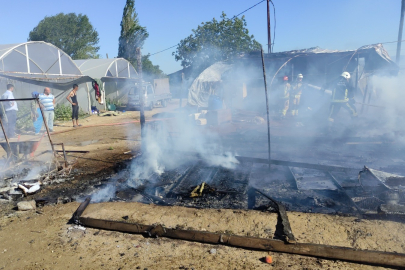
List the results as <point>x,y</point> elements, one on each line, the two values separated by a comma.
<point>228,20</point>
<point>163,50</point>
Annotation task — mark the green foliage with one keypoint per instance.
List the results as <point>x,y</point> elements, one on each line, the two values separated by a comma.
<point>63,112</point>
<point>150,71</point>
<point>215,41</point>
<point>24,118</point>
<point>132,35</point>
<point>73,33</point>
<point>114,101</point>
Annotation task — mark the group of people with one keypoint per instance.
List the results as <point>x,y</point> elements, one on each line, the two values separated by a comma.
<point>342,97</point>
<point>290,96</point>
<point>44,108</point>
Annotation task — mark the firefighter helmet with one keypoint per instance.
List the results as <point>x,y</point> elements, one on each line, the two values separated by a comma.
<point>300,76</point>
<point>285,78</point>
<point>346,75</point>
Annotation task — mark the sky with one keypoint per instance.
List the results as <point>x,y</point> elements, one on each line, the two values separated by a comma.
<point>329,24</point>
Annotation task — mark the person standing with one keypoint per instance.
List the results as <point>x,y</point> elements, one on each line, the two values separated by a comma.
<point>72,98</point>
<point>11,109</point>
<point>295,96</point>
<point>47,101</point>
<point>36,113</point>
<point>342,97</point>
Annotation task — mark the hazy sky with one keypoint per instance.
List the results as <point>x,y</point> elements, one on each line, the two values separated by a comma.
<point>331,24</point>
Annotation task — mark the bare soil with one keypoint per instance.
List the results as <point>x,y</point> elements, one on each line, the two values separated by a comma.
<point>45,241</point>
<point>42,239</point>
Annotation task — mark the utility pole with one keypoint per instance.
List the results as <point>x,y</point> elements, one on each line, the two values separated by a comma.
<point>268,27</point>
<point>140,90</point>
<point>401,27</point>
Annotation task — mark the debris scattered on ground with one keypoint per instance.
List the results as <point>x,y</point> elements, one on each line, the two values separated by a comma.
<point>26,205</point>
<point>268,259</point>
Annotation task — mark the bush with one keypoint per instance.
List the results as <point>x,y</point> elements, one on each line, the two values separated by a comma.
<point>63,112</point>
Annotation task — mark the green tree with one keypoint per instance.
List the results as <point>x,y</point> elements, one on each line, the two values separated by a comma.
<point>132,34</point>
<point>215,41</point>
<point>72,33</point>
<point>149,70</point>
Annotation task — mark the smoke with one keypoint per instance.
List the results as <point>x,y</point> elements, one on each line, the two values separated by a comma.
<point>104,194</point>
<point>168,145</point>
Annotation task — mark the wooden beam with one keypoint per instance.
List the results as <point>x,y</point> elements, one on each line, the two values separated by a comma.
<point>314,250</point>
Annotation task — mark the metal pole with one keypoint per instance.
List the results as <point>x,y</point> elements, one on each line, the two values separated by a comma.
<point>181,89</point>
<point>267,106</point>
<point>46,126</point>
<point>357,75</point>
<point>401,26</point>
<point>268,28</point>
<point>5,137</point>
<point>141,94</point>
<point>364,97</point>
<point>64,155</point>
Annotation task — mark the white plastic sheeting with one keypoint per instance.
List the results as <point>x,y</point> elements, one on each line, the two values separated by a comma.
<point>118,68</point>
<point>30,66</point>
<point>202,87</point>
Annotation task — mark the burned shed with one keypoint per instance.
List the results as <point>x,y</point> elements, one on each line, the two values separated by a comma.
<point>31,66</point>
<point>242,84</point>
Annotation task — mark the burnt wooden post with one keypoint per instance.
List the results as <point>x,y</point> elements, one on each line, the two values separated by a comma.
<point>267,106</point>
<point>46,126</point>
<point>6,138</point>
<point>141,94</point>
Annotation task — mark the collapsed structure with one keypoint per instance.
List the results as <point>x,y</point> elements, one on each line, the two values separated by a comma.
<point>234,83</point>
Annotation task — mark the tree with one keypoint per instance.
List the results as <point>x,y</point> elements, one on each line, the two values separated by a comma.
<point>215,41</point>
<point>72,33</point>
<point>132,34</point>
<point>149,70</point>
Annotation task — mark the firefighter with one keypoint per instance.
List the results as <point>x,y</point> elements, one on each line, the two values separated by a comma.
<point>284,98</point>
<point>342,97</point>
<point>295,95</point>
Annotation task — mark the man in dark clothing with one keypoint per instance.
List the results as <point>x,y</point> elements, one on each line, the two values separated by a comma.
<point>342,97</point>
<point>72,98</point>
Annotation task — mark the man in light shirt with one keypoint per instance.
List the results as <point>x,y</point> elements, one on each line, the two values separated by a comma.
<point>11,109</point>
<point>47,101</point>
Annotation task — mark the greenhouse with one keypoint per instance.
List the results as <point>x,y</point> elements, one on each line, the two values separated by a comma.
<point>117,76</point>
<point>31,66</point>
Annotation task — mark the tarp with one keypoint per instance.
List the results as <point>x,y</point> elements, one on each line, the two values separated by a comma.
<point>205,84</point>
<point>63,83</point>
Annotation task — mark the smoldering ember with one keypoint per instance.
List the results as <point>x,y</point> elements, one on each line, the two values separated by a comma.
<point>250,156</point>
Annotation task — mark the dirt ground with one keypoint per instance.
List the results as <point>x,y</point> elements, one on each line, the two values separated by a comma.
<point>44,240</point>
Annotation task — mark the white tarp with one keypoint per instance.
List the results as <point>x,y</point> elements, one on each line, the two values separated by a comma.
<point>202,87</point>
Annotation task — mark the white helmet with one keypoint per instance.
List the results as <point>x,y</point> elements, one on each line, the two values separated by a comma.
<point>346,75</point>
<point>300,76</point>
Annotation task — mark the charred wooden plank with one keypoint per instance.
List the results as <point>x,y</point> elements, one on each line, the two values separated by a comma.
<point>282,219</point>
<point>314,250</point>
<point>294,164</point>
<point>80,210</point>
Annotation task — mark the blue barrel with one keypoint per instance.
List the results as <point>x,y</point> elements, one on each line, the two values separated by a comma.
<point>214,103</point>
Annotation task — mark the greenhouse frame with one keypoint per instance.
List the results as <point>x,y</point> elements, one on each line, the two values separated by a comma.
<point>117,75</point>
<point>33,65</point>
